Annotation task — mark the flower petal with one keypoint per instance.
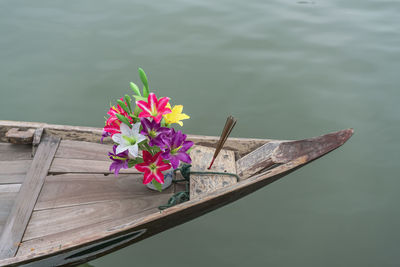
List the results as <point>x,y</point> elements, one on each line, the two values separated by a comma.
<point>186,145</point>
<point>121,148</point>
<point>133,150</point>
<point>142,167</point>
<point>117,138</point>
<point>184,157</point>
<point>146,125</point>
<point>147,177</point>
<point>144,106</point>
<point>159,176</point>
<point>152,102</point>
<point>162,103</point>
<point>158,118</point>
<point>125,130</point>
<point>147,157</point>
<point>174,162</point>
<point>135,129</point>
<point>164,167</point>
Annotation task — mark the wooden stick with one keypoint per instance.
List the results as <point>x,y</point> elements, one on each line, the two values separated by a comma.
<point>229,124</point>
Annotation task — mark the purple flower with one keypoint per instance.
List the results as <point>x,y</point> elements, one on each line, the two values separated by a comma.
<point>176,148</point>
<point>104,135</point>
<point>155,132</point>
<point>120,161</point>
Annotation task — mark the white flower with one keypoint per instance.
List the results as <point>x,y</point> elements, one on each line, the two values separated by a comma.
<point>128,139</point>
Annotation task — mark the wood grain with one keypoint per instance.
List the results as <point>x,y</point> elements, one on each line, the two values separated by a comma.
<point>90,134</point>
<point>256,160</point>
<point>61,165</point>
<point>201,185</point>
<point>12,152</point>
<point>53,221</point>
<point>77,189</point>
<point>8,193</point>
<point>13,172</point>
<point>20,213</point>
<point>69,238</point>
<point>83,150</point>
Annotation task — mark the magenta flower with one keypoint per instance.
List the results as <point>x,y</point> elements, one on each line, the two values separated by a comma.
<point>120,160</point>
<point>154,131</point>
<point>113,123</point>
<point>153,108</point>
<point>153,166</point>
<point>176,148</point>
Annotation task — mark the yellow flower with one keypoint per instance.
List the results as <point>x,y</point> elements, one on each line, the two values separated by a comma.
<point>176,115</point>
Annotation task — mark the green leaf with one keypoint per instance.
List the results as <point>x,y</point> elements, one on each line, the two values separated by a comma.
<point>136,111</point>
<point>123,106</point>
<point>140,98</point>
<point>124,120</point>
<point>133,162</point>
<point>144,80</point>
<point>128,100</point>
<point>135,89</point>
<point>157,185</point>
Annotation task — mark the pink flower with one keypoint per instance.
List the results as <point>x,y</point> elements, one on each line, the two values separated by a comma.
<point>152,167</point>
<point>113,123</point>
<point>154,108</point>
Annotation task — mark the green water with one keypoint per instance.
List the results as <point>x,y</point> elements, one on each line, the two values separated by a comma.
<point>285,69</point>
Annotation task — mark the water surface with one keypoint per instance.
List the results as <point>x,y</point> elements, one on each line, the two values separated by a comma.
<point>285,69</point>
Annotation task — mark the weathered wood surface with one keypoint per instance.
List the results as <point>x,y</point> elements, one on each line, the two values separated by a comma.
<point>256,160</point>
<point>201,185</point>
<point>91,134</point>
<point>14,172</point>
<point>122,219</point>
<point>17,136</point>
<point>61,165</point>
<point>8,193</point>
<point>12,152</point>
<point>156,222</point>
<point>66,190</point>
<point>83,157</point>
<point>312,147</point>
<point>53,221</point>
<point>284,151</point>
<point>83,150</point>
<point>20,213</point>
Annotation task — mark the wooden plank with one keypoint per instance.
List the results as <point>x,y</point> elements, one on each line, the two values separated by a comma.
<point>12,172</point>
<point>201,185</point>
<point>91,134</point>
<point>53,221</point>
<point>10,152</point>
<point>66,190</point>
<point>8,193</point>
<point>26,199</point>
<point>83,150</point>
<point>84,234</point>
<point>61,165</point>
<point>256,160</point>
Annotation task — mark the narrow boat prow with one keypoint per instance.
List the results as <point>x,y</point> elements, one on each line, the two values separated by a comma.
<point>60,205</point>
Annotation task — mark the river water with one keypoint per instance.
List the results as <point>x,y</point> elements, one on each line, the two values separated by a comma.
<point>285,69</point>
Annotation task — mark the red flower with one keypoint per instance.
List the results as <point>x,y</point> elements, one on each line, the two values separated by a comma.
<point>153,108</point>
<point>152,167</point>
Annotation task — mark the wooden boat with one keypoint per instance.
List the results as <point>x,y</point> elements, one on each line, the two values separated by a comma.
<point>61,207</point>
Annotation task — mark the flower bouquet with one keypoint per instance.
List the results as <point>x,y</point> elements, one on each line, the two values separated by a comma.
<point>143,136</point>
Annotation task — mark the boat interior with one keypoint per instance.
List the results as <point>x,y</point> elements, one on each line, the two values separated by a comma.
<point>78,196</point>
